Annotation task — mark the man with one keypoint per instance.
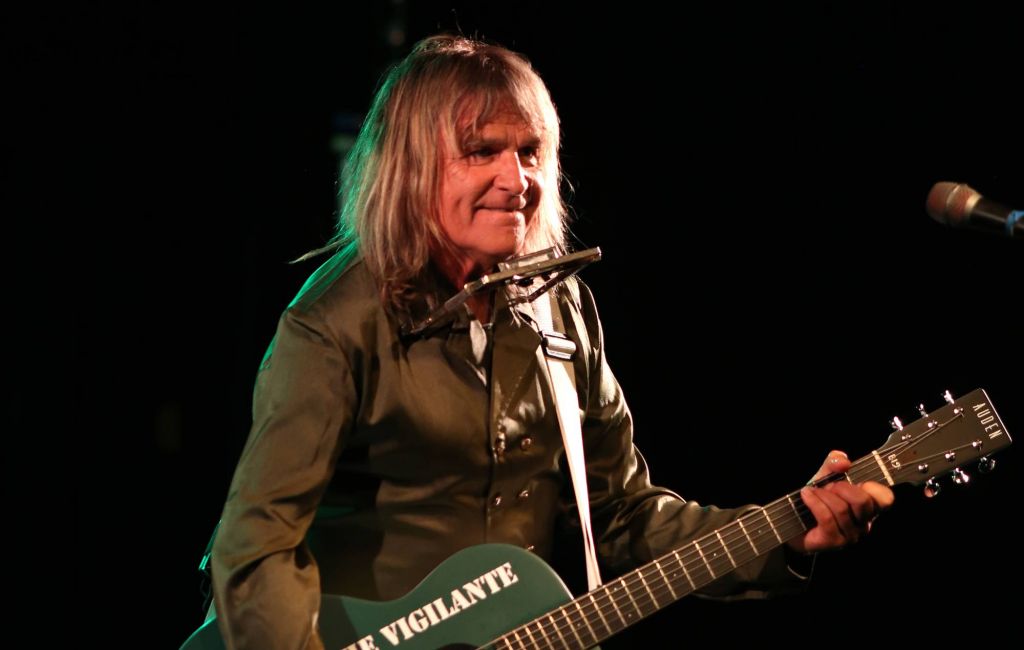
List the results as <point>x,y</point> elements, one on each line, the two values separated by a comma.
<point>373,456</point>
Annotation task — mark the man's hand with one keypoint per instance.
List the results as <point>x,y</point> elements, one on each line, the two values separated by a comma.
<point>843,511</point>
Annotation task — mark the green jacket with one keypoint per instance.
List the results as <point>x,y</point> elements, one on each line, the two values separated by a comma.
<point>372,458</point>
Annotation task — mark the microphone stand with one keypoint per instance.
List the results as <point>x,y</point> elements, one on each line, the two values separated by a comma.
<point>519,271</point>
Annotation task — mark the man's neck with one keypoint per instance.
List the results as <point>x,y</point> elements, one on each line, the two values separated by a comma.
<point>480,305</point>
<point>461,271</point>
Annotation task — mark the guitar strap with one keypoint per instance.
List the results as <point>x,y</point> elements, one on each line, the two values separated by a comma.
<point>559,351</point>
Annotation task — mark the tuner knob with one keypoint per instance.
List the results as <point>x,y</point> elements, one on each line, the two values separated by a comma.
<point>986,464</point>
<point>920,409</point>
<point>896,424</point>
<point>961,477</point>
<point>949,398</point>
<point>923,468</point>
<point>932,488</point>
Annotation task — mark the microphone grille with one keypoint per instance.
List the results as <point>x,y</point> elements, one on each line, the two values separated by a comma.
<point>951,203</point>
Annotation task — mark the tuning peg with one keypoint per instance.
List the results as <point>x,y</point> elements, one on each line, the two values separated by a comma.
<point>986,464</point>
<point>920,409</point>
<point>951,456</point>
<point>897,425</point>
<point>932,488</point>
<point>961,477</point>
<point>948,397</point>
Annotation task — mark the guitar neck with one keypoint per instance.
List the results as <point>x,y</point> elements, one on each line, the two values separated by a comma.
<point>616,605</point>
<point>964,430</point>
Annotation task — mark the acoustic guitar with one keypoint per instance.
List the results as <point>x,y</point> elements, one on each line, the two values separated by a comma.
<point>497,596</point>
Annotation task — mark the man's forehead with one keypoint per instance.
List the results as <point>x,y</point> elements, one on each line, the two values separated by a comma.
<point>476,112</point>
<point>498,124</point>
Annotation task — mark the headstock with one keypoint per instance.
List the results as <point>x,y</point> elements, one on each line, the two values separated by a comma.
<point>939,443</point>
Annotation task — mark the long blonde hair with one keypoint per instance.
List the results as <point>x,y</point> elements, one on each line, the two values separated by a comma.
<point>391,179</point>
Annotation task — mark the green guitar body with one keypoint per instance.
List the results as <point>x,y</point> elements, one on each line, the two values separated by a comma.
<point>445,610</point>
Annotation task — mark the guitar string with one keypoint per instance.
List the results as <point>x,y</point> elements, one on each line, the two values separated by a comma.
<point>572,622</point>
<point>645,598</point>
<point>644,601</point>
<point>687,556</point>
<point>662,594</point>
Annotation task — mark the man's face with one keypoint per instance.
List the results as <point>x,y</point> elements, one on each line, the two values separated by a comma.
<point>490,191</point>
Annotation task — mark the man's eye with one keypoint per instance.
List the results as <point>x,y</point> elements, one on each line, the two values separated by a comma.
<point>529,156</point>
<point>483,152</point>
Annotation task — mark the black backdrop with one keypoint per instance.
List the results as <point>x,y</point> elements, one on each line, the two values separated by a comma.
<point>771,287</point>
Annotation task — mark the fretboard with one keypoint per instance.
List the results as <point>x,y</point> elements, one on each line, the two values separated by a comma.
<point>611,608</point>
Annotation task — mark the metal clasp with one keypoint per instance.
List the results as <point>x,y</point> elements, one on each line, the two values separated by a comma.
<point>558,346</point>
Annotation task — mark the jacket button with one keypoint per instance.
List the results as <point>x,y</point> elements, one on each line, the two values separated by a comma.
<point>525,443</point>
<point>524,494</point>
<point>496,500</point>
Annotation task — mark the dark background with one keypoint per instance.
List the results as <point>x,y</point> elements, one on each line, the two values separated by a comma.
<point>771,286</point>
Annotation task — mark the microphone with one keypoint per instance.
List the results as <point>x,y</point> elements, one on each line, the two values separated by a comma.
<point>960,206</point>
<point>533,273</point>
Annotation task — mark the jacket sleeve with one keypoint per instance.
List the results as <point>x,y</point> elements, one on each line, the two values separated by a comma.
<point>636,522</point>
<point>265,581</point>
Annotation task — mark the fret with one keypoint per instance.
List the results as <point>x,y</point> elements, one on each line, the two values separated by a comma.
<point>717,554</point>
<point>796,513</point>
<point>625,587</point>
<point>686,573</point>
<point>554,626</point>
<point>518,640</point>
<point>585,621</point>
<point>772,524</point>
<point>508,644</point>
<point>698,568</point>
<point>747,535</point>
<point>711,569</point>
<point>648,588</point>
<point>726,548</point>
<point>573,627</point>
<point>598,609</point>
<point>762,531</point>
<point>615,601</point>
<point>547,641</point>
<point>533,641</point>
<point>667,581</point>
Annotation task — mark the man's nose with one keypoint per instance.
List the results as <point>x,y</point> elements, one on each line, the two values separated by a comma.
<point>511,176</point>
